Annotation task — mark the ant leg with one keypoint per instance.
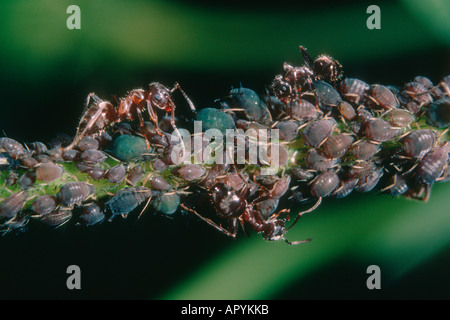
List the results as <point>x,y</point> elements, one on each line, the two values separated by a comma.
<point>210,222</point>
<point>172,122</point>
<point>141,123</point>
<point>191,105</point>
<point>154,117</point>
<point>314,207</point>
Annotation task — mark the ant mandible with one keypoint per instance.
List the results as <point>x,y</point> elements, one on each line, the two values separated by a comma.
<point>102,114</point>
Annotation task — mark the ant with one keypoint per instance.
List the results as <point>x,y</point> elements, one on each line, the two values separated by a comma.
<point>232,205</point>
<point>323,67</point>
<point>102,114</point>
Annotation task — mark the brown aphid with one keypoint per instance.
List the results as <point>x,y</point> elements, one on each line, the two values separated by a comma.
<point>316,161</point>
<point>27,180</point>
<point>74,193</point>
<point>336,146</point>
<point>324,184</point>
<point>368,182</point>
<point>56,218</point>
<point>38,147</point>
<point>364,150</point>
<point>417,143</point>
<point>88,143</point>
<point>92,214</point>
<point>380,130</point>
<point>158,183</point>
<point>48,171</point>
<point>347,111</point>
<point>302,110</point>
<point>288,130</point>
<point>13,204</point>
<point>400,118</point>
<point>280,187</point>
<point>43,158</point>
<point>134,175</point>
<point>316,132</point>
<point>353,90</point>
<point>71,155</point>
<point>361,169</point>
<point>12,147</point>
<point>418,93</point>
<point>383,97</point>
<point>12,178</point>
<point>97,173</point>
<point>190,172</point>
<point>94,156</point>
<point>365,115</point>
<point>116,174</point>
<point>432,166</point>
<point>345,188</point>
<point>44,204</point>
<point>28,161</point>
<point>398,185</point>
<point>424,81</point>
<point>301,174</point>
<point>85,166</point>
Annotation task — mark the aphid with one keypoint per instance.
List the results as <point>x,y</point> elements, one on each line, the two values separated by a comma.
<point>116,174</point>
<point>71,155</point>
<point>327,95</point>
<point>365,115</point>
<point>324,184</point>
<point>56,218</point>
<point>438,114</point>
<point>12,147</point>
<point>97,172</point>
<point>301,174</point>
<point>316,161</point>
<point>302,110</point>
<point>418,142</point>
<point>418,93</point>
<point>398,185</point>
<point>134,175</point>
<point>13,204</point>
<point>28,161</point>
<point>74,193</point>
<point>158,183</point>
<point>368,182</point>
<point>353,90</point>
<point>336,146</point>
<point>432,165</point>
<point>361,169</point>
<point>381,96</point>
<point>424,81</point>
<point>347,111</point>
<point>44,204</point>
<point>316,132</point>
<point>38,147</point>
<point>85,166</point>
<point>380,130</point>
<point>88,143</point>
<point>345,188</point>
<point>288,130</point>
<point>12,178</point>
<point>364,150</point>
<point>167,203</point>
<point>190,172</point>
<point>27,180</point>
<point>126,200</point>
<point>400,118</point>
<point>91,214</point>
<point>94,156</point>
<point>48,171</point>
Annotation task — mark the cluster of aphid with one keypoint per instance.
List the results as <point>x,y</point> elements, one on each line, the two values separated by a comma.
<point>337,135</point>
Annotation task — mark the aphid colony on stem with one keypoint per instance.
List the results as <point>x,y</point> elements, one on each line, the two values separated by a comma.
<point>337,134</point>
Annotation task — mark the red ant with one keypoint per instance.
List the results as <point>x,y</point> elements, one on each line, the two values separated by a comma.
<point>102,114</point>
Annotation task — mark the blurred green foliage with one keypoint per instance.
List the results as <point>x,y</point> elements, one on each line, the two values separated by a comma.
<point>47,71</point>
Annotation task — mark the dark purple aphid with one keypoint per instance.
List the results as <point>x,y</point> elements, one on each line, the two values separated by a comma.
<point>365,115</point>
<point>380,130</point>
<point>27,180</point>
<point>38,147</point>
<point>316,132</point>
<point>74,193</point>
<point>85,166</point>
<point>328,96</point>
<point>158,183</point>
<point>126,200</point>
<point>336,146</point>
<point>48,171</point>
<point>288,130</point>
<point>116,174</point>
<point>417,143</point>
<point>438,114</point>
<point>280,187</point>
<point>361,169</point>
<point>432,166</point>
<point>43,158</point>
<point>345,188</point>
<point>28,161</point>
<point>134,175</point>
<point>44,204</point>
<point>301,174</point>
<point>13,204</point>
<point>368,182</point>
<point>56,218</point>
<point>97,173</point>
<point>316,161</point>
<point>418,93</point>
<point>88,143</point>
<point>12,147</point>
<point>398,185</point>
<point>324,184</point>
<point>381,96</point>
<point>56,155</point>
<point>353,90</point>
<point>94,156</point>
<point>364,150</point>
<point>71,155</point>
<point>302,110</point>
<point>190,172</point>
<point>92,214</point>
<point>424,81</point>
<point>413,107</point>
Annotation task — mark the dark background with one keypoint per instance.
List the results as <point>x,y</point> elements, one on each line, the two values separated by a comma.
<point>46,72</point>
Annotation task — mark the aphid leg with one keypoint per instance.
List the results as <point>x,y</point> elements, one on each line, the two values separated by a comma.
<point>314,207</point>
<point>210,222</point>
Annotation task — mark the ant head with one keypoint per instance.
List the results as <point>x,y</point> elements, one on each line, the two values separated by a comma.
<point>159,96</point>
<point>327,68</point>
<point>275,230</point>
